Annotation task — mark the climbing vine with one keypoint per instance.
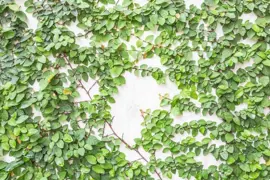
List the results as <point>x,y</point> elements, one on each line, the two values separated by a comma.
<point>49,134</point>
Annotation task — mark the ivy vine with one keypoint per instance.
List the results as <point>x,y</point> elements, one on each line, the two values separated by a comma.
<point>67,139</point>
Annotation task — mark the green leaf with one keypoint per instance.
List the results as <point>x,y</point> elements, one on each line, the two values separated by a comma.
<point>81,151</point>
<point>37,149</point>
<point>224,155</point>
<point>229,137</point>
<point>149,38</point>
<point>98,169</point>
<point>55,137</point>
<point>12,165</point>
<point>116,71</point>
<point>164,102</point>
<point>239,93</point>
<point>21,119</point>
<point>256,28</point>
<point>91,159</point>
<point>139,43</point>
<point>5,146</point>
<point>92,140</point>
<point>164,60</point>
<point>45,82</point>
<point>60,144</point>
<point>171,19</point>
<point>42,59</point>
<point>210,20</point>
<point>237,120</point>
<point>230,160</point>
<point>67,138</point>
<point>3,175</point>
<point>19,97</point>
<point>59,161</point>
<point>110,24</point>
<point>266,62</point>
<point>226,53</point>
<point>21,16</point>
<point>38,39</point>
<point>129,173</point>
<point>227,28</point>
<point>161,21</point>
<point>85,170</point>
<point>14,7</point>
<point>30,9</point>
<point>264,80</point>
<point>126,3</point>
<point>9,34</point>
<point>266,152</point>
<point>84,5</point>
<point>245,167</point>
<point>160,1</point>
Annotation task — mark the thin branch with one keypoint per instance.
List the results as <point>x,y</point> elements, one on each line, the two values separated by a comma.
<point>82,86</point>
<point>136,68</point>
<point>106,122</point>
<point>108,134</point>
<point>129,146</point>
<point>164,97</point>
<point>78,102</point>
<point>103,130</point>
<point>135,160</point>
<point>93,85</point>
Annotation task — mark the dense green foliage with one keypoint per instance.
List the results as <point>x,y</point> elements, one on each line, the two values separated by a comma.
<point>67,141</point>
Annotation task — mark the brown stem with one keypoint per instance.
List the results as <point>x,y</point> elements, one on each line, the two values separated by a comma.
<point>114,133</point>
<point>129,147</point>
<point>78,102</point>
<point>93,85</point>
<point>135,160</point>
<point>103,130</point>
<point>164,97</point>
<point>82,86</point>
<point>136,68</point>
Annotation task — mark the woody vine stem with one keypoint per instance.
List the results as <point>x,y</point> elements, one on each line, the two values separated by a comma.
<point>106,122</point>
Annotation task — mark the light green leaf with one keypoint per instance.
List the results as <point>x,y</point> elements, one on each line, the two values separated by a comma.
<point>9,34</point>
<point>21,16</point>
<point>42,59</point>
<point>239,93</point>
<point>110,24</point>
<point>266,62</point>
<point>116,71</point>
<point>149,38</point>
<point>21,119</point>
<point>256,28</point>
<point>59,161</point>
<point>126,3</point>
<point>91,159</point>
<point>98,169</point>
<point>245,167</point>
<point>139,43</point>
<point>264,80</point>
<point>67,138</point>
<point>224,155</point>
<point>230,160</point>
<point>14,7</point>
<point>55,137</point>
<point>229,137</point>
<point>226,53</point>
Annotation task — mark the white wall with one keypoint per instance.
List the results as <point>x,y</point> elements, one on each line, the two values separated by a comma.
<point>142,93</point>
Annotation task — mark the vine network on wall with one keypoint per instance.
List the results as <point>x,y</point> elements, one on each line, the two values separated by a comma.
<point>67,140</point>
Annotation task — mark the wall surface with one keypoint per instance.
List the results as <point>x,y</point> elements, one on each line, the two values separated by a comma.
<point>142,93</point>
